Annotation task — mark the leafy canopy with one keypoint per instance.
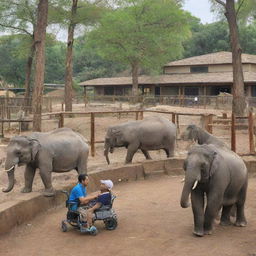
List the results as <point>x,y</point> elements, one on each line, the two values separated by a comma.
<point>146,32</point>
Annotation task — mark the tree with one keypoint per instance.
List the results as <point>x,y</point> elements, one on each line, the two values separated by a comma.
<point>142,34</point>
<point>230,12</point>
<point>40,34</point>
<point>20,16</point>
<point>82,12</point>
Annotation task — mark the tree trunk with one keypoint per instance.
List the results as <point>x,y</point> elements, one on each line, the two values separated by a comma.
<point>69,60</point>
<point>239,103</point>
<point>40,34</point>
<point>135,81</point>
<point>27,97</point>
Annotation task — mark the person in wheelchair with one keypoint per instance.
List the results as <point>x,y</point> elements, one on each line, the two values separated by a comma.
<point>78,196</point>
<point>104,198</point>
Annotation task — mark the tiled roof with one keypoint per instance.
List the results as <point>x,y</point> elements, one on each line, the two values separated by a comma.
<point>189,78</point>
<point>211,59</point>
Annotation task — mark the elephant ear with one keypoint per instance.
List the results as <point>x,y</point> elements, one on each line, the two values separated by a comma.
<point>214,164</point>
<point>35,146</point>
<point>185,163</point>
<point>117,134</point>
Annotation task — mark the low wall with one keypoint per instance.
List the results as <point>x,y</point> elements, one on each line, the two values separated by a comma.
<point>26,206</point>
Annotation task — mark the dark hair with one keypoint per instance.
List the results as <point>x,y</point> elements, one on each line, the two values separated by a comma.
<point>82,177</point>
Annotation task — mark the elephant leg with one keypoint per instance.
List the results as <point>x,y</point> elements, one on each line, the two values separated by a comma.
<point>240,217</point>
<point>131,150</point>
<point>29,177</point>
<point>146,154</point>
<point>45,173</point>
<point>213,205</point>
<point>197,200</point>
<point>82,165</point>
<point>167,152</point>
<point>225,215</point>
<point>171,149</point>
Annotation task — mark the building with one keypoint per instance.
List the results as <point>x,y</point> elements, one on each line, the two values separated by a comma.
<point>207,75</point>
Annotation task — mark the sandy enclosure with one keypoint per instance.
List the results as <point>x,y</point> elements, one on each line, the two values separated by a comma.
<point>153,224</point>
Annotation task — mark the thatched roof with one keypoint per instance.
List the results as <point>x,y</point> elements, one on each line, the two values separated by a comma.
<point>174,79</point>
<point>212,59</point>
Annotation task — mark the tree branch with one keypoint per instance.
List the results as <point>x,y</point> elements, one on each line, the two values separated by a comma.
<point>15,28</point>
<point>221,2</point>
<point>240,5</point>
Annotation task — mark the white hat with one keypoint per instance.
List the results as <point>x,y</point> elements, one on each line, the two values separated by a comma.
<point>108,183</point>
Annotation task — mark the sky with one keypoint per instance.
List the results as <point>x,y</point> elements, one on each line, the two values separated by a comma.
<point>200,9</point>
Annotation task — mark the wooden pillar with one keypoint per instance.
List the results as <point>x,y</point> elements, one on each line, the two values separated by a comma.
<point>233,132</point>
<point>177,123</point>
<point>61,120</point>
<point>204,96</point>
<point>208,123</point>
<point>137,115</point>
<point>173,118</point>
<point>179,95</point>
<point>92,135</point>
<point>250,130</point>
<point>141,115</point>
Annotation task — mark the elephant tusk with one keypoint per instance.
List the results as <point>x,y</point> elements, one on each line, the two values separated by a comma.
<point>195,184</point>
<point>10,169</point>
<point>183,180</point>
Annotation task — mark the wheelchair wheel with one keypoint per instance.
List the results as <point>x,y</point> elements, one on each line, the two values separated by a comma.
<point>110,223</point>
<point>64,226</point>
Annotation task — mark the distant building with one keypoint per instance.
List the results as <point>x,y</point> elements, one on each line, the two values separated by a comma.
<point>207,74</point>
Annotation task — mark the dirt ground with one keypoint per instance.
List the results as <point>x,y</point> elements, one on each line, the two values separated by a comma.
<point>153,224</point>
<point>82,125</point>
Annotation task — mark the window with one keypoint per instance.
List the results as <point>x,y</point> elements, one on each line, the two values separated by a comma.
<point>199,69</point>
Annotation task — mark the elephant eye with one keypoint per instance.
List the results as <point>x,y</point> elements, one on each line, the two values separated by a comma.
<point>18,153</point>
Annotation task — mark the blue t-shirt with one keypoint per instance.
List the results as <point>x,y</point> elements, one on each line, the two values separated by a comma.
<point>77,191</point>
<point>104,198</point>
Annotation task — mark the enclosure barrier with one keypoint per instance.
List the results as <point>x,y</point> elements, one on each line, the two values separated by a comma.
<point>207,120</point>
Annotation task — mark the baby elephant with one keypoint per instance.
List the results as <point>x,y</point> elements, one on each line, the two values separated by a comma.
<point>152,133</point>
<point>60,150</point>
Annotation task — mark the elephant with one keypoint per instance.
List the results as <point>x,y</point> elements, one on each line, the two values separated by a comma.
<point>201,136</point>
<point>60,150</point>
<point>222,177</point>
<point>151,133</point>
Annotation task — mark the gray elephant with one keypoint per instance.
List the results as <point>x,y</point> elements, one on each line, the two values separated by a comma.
<point>222,176</point>
<point>60,150</point>
<point>201,136</point>
<point>151,133</point>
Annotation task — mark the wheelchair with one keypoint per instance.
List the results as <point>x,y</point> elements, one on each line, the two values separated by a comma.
<point>105,213</point>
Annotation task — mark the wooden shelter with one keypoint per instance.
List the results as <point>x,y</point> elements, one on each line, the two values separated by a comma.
<point>207,75</point>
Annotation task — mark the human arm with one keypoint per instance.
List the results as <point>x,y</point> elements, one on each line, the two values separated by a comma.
<point>87,199</point>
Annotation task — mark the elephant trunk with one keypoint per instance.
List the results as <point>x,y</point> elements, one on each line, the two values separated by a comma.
<point>10,173</point>
<point>189,185</point>
<point>106,151</point>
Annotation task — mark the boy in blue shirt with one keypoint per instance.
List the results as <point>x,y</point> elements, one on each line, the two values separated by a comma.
<point>104,198</point>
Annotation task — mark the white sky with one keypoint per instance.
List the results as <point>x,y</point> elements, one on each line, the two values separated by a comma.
<point>200,9</point>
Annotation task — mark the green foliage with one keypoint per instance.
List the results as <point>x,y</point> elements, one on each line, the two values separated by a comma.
<point>89,65</point>
<point>146,32</point>
<point>11,61</point>
<point>207,38</point>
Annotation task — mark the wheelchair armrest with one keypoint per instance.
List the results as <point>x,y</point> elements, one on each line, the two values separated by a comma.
<point>70,204</point>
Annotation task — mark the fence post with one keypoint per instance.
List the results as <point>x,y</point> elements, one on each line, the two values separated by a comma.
<point>177,124</point>
<point>141,115</point>
<point>233,132</point>
<point>61,120</point>
<point>173,118</point>
<point>92,134</point>
<point>250,130</point>
<point>208,123</point>
<point>137,115</point>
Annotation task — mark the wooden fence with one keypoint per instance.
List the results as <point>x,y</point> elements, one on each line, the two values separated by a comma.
<point>208,123</point>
